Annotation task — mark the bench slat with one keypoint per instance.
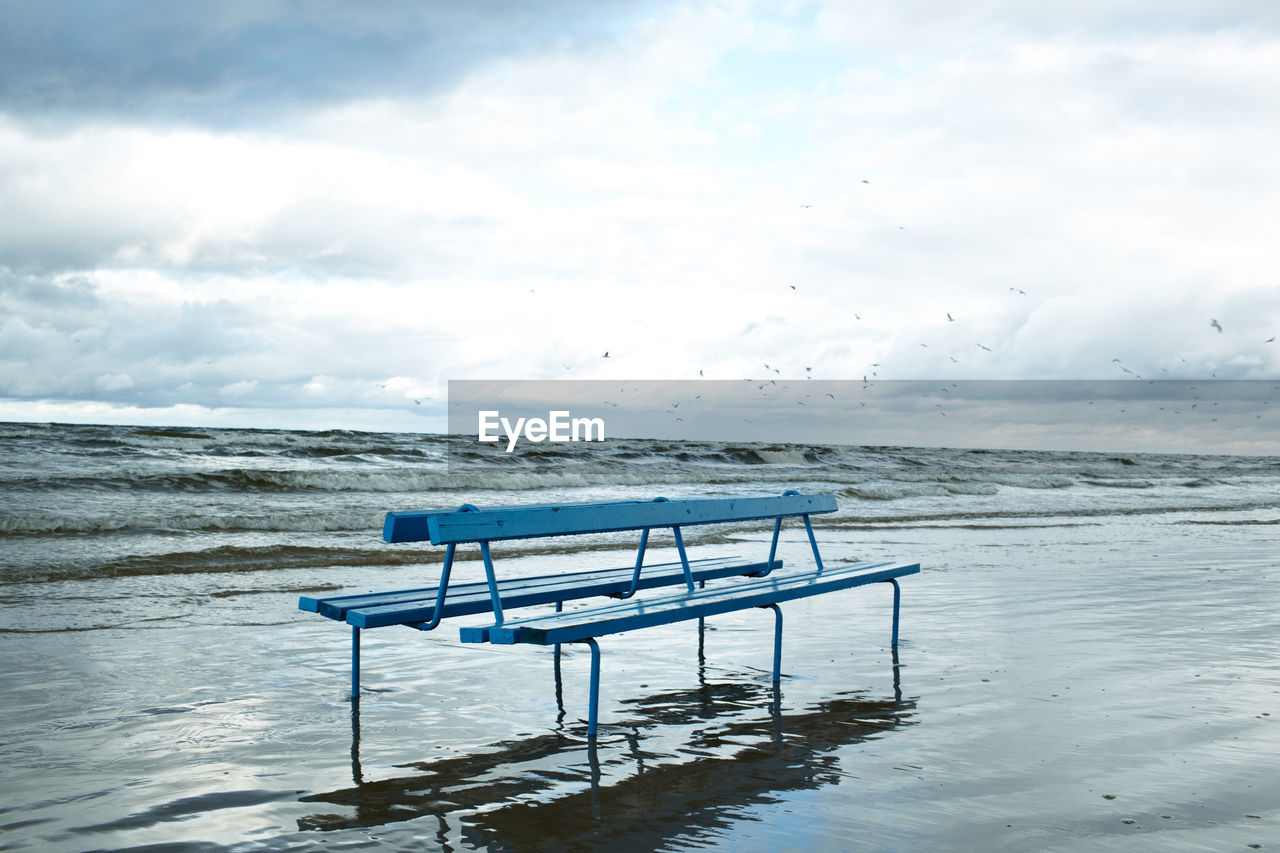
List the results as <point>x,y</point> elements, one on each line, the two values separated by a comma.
<point>577,625</point>
<point>591,517</point>
<point>474,598</point>
<point>336,607</point>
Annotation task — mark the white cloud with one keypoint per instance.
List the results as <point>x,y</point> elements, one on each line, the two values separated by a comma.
<point>238,389</point>
<point>669,201</point>
<point>113,382</point>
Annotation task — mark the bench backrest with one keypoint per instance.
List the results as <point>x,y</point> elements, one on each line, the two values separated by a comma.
<point>468,524</point>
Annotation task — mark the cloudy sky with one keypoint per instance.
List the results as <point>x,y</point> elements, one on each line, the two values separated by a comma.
<point>314,215</point>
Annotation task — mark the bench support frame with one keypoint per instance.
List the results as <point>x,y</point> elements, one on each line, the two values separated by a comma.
<point>593,690</point>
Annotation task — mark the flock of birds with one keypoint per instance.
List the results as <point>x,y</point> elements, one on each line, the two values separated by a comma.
<point>770,387</point>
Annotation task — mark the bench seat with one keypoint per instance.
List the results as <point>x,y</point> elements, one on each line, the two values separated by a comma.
<point>414,607</point>
<point>579,625</point>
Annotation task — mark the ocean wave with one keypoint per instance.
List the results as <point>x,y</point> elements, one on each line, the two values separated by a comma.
<point>290,522</point>
<point>897,490</point>
<point>268,558</point>
<point>1118,484</point>
<point>226,558</point>
<point>408,479</point>
<point>1048,516</point>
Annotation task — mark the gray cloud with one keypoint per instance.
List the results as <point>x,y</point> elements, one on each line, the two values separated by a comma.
<point>247,61</point>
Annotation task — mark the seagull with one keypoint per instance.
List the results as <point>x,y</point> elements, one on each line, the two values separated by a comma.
<point>1216,325</point>
<point>606,354</point>
<point>1270,340</point>
<point>950,319</point>
<point>793,287</point>
<point>806,205</point>
<point>1017,290</point>
<point>988,349</point>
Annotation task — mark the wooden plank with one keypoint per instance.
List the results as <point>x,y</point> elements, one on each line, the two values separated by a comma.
<point>477,600</point>
<point>591,517</point>
<point>572,626</point>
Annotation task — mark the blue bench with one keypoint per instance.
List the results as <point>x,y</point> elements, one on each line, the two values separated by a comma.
<point>743,584</point>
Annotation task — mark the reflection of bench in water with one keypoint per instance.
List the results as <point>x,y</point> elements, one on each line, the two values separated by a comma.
<point>663,797</point>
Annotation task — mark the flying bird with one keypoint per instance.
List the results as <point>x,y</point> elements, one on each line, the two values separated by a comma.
<point>606,354</point>
<point>1270,340</point>
<point>950,319</point>
<point>988,349</point>
<point>1216,325</point>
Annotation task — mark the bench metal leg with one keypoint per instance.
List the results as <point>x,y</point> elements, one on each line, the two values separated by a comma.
<point>594,702</point>
<point>355,664</point>
<point>777,642</point>
<point>897,599</point>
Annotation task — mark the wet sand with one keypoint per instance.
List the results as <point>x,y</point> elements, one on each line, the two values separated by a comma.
<point>1076,687</point>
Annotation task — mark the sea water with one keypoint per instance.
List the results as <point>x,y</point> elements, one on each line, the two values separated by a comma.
<point>1090,657</point>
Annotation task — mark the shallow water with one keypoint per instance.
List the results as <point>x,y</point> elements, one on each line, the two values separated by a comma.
<point>1083,676</point>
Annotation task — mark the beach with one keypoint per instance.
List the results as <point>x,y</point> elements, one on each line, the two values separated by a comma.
<point>1089,658</point>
